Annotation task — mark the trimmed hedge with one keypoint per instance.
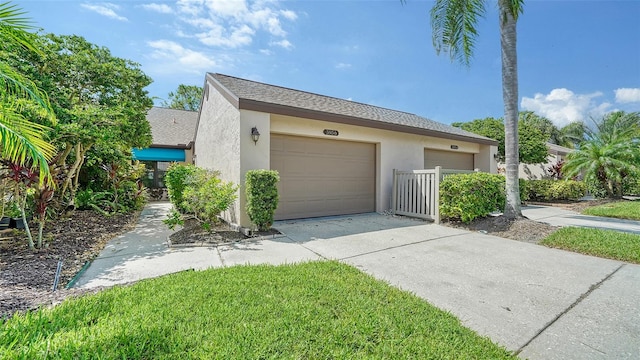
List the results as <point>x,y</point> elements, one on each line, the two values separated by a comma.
<point>262,197</point>
<point>468,196</point>
<point>549,190</point>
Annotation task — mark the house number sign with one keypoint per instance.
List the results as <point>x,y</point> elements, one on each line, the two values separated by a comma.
<point>330,132</point>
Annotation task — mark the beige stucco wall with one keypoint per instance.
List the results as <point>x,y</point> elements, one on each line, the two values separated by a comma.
<point>394,150</point>
<point>253,155</point>
<point>218,143</point>
<point>223,143</point>
<point>538,171</point>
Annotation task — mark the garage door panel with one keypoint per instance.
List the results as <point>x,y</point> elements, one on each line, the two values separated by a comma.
<point>320,177</point>
<point>448,159</point>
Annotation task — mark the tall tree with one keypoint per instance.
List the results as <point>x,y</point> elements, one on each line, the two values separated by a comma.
<point>21,140</point>
<point>454,25</point>
<point>186,97</point>
<point>531,137</point>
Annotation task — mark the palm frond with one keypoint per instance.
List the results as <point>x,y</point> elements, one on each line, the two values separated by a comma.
<point>454,27</point>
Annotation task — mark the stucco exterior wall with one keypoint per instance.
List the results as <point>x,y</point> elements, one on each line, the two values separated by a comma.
<point>394,150</point>
<point>253,155</point>
<point>538,171</point>
<point>218,143</point>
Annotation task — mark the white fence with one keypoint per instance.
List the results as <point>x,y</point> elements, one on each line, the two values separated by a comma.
<point>416,192</point>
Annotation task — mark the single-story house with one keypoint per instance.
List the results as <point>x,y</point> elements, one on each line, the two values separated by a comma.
<point>557,154</point>
<point>173,133</point>
<point>334,156</point>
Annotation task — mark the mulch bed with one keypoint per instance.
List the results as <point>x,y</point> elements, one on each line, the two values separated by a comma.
<point>27,276</point>
<point>193,234</point>
<point>521,229</point>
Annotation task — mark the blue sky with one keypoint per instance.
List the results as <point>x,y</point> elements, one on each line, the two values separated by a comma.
<point>577,59</point>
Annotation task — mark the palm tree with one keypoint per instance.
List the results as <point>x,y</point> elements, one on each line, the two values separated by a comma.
<point>21,141</point>
<point>610,154</point>
<point>454,31</point>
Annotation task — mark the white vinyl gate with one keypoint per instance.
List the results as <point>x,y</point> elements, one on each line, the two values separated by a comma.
<point>416,192</point>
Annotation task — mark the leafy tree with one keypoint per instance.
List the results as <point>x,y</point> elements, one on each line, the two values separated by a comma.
<point>573,134</point>
<point>186,97</point>
<point>454,25</point>
<point>532,140</point>
<point>611,153</point>
<point>99,100</point>
<point>21,140</point>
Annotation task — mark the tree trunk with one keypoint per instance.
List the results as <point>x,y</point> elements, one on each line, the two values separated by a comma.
<point>510,96</point>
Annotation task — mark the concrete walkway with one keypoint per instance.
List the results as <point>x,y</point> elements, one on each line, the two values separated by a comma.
<point>542,303</point>
<point>560,217</point>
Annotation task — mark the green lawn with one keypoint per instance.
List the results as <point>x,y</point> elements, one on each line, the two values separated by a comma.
<point>316,310</point>
<point>621,209</point>
<point>602,243</point>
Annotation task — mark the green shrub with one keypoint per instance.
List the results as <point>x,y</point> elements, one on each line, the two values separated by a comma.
<point>567,190</point>
<point>524,189</point>
<point>469,196</point>
<point>539,189</point>
<point>549,190</point>
<point>205,196</point>
<point>176,180</point>
<point>631,185</point>
<point>262,197</point>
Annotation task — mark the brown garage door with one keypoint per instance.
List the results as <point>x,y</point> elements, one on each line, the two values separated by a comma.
<point>447,159</point>
<point>320,177</point>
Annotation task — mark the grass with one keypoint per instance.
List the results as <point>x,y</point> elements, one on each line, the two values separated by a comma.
<point>316,310</point>
<point>602,243</point>
<point>621,210</point>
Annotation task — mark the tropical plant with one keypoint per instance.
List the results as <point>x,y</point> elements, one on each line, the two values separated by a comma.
<point>454,25</point>
<point>610,155</point>
<point>21,140</point>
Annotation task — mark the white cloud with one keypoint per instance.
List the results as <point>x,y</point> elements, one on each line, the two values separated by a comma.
<point>283,44</point>
<point>235,23</point>
<point>219,36</point>
<point>627,95</point>
<point>266,52</point>
<point>161,8</point>
<point>105,9</point>
<point>343,66</point>
<point>180,59</point>
<point>563,106</point>
<point>288,14</point>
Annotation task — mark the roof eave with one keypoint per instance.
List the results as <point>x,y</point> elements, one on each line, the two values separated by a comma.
<point>253,105</point>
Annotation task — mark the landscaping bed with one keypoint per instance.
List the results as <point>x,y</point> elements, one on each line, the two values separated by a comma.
<point>524,229</point>
<point>193,234</point>
<point>26,276</point>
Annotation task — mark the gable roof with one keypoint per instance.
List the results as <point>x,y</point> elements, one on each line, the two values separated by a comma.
<point>558,150</point>
<point>172,127</point>
<point>252,95</point>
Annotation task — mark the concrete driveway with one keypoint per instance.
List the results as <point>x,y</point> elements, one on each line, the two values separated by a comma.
<point>542,303</point>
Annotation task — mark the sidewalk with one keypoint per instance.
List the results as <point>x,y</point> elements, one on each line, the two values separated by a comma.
<point>560,217</point>
<point>540,302</point>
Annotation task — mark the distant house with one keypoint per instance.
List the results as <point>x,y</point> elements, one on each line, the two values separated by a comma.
<point>557,154</point>
<point>173,133</point>
<point>334,156</point>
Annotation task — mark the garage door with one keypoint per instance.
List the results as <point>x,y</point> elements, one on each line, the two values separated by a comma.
<point>320,177</point>
<point>447,159</point>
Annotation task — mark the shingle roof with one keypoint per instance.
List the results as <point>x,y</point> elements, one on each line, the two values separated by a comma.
<point>171,127</point>
<point>251,93</point>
